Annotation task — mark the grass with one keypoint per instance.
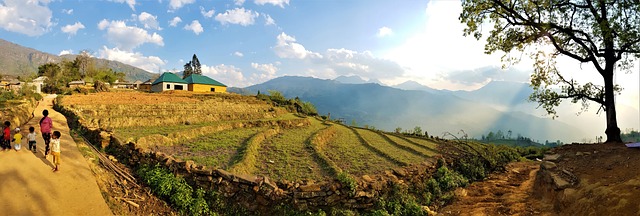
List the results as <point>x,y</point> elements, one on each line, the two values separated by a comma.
<point>352,156</point>
<point>417,147</point>
<point>422,142</point>
<point>218,149</point>
<point>292,158</point>
<point>381,144</point>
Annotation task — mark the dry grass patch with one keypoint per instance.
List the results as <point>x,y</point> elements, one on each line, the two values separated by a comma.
<point>287,156</point>
<point>417,147</point>
<point>352,156</point>
<point>378,142</point>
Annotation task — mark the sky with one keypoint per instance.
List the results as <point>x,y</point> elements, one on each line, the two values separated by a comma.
<point>246,42</point>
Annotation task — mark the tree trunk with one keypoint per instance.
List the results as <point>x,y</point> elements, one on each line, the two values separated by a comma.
<point>612,131</point>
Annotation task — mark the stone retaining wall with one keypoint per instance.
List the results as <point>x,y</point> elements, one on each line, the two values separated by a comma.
<point>19,114</point>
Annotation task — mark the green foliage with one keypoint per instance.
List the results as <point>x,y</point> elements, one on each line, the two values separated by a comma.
<point>398,130</point>
<point>631,136</point>
<point>417,130</point>
<point>346,180</point>
<point>108,76</point>
<point>277,97</point>
<point>309,109</point>
<point>8,95</point>
<point>293,105</point>
<point>175,189</point>
<point>398,202</point>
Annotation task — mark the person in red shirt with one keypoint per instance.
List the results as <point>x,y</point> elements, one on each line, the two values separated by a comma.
<point>6,141</point>
<point>45,128</point>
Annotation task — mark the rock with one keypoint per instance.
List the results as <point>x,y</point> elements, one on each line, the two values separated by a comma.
<point>367,178</point>
<point>400,172</point>
<point>271,161</point>
<point>310,188</point>
<point>460,192</point>
<point>553,157</point>
<point>246,179</point>
<point>224,174</point>
<point>559,183</point>
<point>429,211</point>
<point>579,153</point>
<point>548,165</point>
<point>586,153</point>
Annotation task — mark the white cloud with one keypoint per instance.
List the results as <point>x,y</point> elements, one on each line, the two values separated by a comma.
<point>32,18</point>
<point>239,54</point>
<point>384,31</point>
<point>269,70</point>
<point>205,13</point>
<point>439,48</point>
<point>226,74</point>
<point>72,29</point>
<point>239,2</point>
<point>65,52</point>
<point>238,16</point>
<point>128,37</point>
<point>268,20</point>
<point>286,47</point>
<point>148,63</point>
<point>149,21</point>
<point>174,22</point>
<point>363,64</point>
<point>195,27</point>
<point>177,4</point>
<point>131,3</point>
<point>67,11</point>
<point>280,3</point>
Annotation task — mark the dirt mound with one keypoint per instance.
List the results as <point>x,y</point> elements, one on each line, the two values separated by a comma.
<point>577,179</point>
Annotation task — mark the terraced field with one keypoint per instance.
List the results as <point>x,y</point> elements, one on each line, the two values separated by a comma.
<point>243,134</point>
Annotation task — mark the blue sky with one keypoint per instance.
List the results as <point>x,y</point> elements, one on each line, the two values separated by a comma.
<point>245,42</point>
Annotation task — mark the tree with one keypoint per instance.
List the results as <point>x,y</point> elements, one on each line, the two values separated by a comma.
<point>84,63</point>
<point>509,134</point>
<point>398,130</point>
<point>417,130</point>
<point>195,64</point>
<point>188,70</point>
<point>602,33</point>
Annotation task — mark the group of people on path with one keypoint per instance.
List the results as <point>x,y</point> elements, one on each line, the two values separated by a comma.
<point>50,139</point>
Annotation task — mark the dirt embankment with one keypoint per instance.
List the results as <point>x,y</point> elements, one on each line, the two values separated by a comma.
<point>20,113</point>
<point>578,179</point>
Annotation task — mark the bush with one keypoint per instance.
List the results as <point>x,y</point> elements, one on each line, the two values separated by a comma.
<point>347,181</point>
<point>175,189</point>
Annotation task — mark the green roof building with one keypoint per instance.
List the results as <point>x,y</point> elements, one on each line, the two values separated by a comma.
<point>168,81</point>
<point>200,83</point>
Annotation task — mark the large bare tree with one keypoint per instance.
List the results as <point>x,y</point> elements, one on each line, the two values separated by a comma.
<point>603,33</point>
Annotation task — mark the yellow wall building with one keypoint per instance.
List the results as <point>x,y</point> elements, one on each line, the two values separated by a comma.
<point>199,83</point>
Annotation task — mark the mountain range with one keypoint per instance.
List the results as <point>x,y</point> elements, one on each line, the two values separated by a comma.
<point>437,112</point>
<point>16,60</point>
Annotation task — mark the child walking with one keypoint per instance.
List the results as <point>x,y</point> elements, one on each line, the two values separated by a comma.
<point>6,141</point>
<point>17,140</point>
<point>45,128</point>
<point>32,139</point>
<point>55,149</point>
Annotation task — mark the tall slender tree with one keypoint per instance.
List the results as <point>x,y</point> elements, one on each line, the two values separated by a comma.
<point>188,70</point>
<point>603,33</point>
<point>195,64</point>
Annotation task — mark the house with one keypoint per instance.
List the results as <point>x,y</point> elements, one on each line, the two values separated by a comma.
<point>15,84</point>
<point>38,83</point>
<point>136,84</point>
<point>122,84</point>
<point>145,86</point>
<point>76,84</point>
<point>168,81</point>
<point>200,83</point>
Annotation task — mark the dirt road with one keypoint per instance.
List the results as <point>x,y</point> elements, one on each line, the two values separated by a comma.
<point>29,187</point>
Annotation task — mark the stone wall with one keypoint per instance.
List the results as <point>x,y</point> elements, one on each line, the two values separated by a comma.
<point>261,193</point>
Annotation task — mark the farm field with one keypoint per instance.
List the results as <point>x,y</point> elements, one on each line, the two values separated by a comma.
<point>246,135</point>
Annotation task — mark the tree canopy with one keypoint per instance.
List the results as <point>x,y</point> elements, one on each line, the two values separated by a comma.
<point>603,33</point>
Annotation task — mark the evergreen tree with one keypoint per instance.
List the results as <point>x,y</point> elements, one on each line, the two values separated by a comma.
<point>195,65</point>
<point>188,70</point>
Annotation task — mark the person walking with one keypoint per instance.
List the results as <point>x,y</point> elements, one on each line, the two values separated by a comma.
<point>45,128</point>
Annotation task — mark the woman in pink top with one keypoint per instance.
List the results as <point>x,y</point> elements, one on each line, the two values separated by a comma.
<point>45,128</point>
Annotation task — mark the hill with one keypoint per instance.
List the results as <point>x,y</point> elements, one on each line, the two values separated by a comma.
<point>17,60</point>
<point>387,108</point>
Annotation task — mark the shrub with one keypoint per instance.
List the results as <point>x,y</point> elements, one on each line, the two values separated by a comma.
<point>347,181</point>
<point>175,189</point>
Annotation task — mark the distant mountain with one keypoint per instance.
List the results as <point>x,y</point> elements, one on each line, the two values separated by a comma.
<point>350,79</point>
<point>413,85</point>
<point>503,93</point>
<point>17,60</point>
<point>387,108</point>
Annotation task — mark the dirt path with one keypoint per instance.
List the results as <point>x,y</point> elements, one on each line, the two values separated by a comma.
<point>507,193</point>
<point>29,187</point>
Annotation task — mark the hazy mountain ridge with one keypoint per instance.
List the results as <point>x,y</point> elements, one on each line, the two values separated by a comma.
<point>387,108</point>
<point>17,60</point>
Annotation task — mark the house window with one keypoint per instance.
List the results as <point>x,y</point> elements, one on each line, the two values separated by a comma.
<point>178,87</point>
<point>168,86</point>
<point>213,89</point>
